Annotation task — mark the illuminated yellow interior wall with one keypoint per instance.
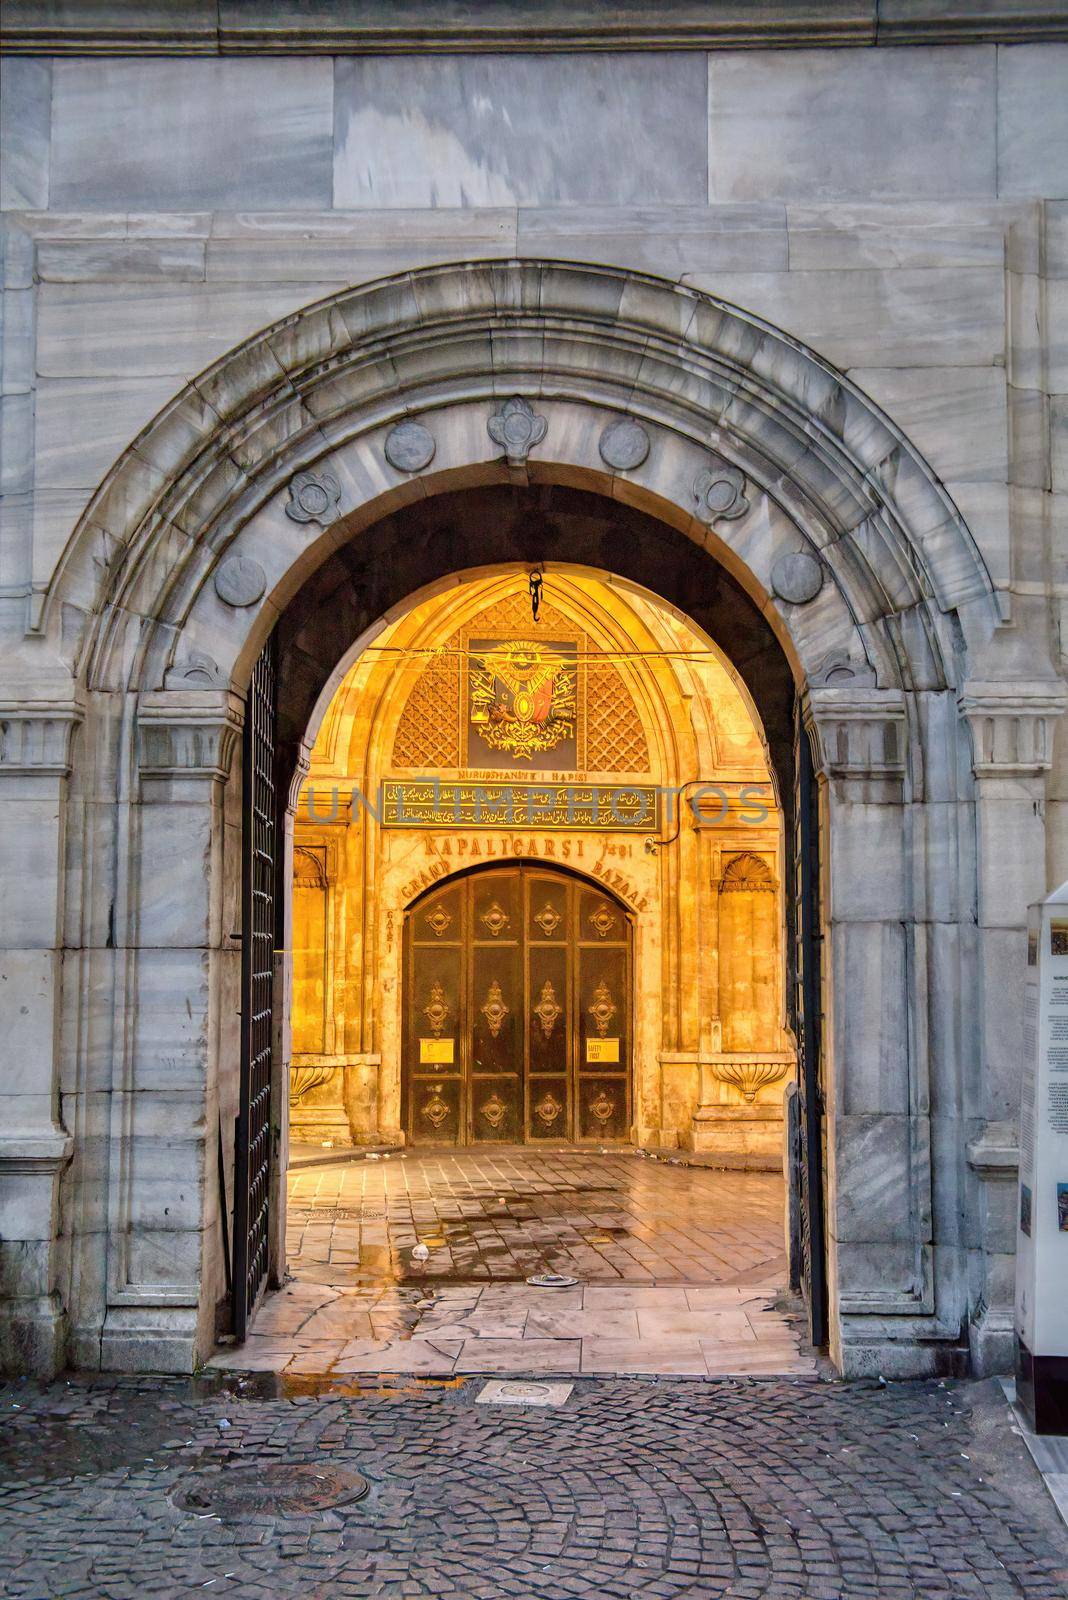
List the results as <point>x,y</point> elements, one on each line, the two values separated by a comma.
<point>708,980</point>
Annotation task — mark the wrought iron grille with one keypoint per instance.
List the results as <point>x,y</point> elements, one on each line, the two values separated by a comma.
<point>807,1020</point>
<point>252,1165</point>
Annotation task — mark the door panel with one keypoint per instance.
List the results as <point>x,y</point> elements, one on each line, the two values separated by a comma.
<point>604,1044</point>
<point>433,1043</point>
<point>549,1042</point>
<point>439,919</point>
<point>437,1110</point>
<point>549,1016</point>
<point>496,917</point>
<point>517,1011</point>
<point>601,920</point>
<point>602,1108</point>
<point>548,908</point>
<point>496,1023</point>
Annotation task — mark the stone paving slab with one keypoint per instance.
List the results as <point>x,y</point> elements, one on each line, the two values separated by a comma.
<point>688,1282</point>
<point>518,1328</point>
<point>500,1215</point>
<point>632,1489</point>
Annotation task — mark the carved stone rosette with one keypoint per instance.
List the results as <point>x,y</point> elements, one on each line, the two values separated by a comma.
<point>313,497</point>
<point>517,428</point>
<point>720,493</point>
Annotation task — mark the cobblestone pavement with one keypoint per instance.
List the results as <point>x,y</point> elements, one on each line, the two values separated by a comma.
<point>661,1488</point>
<point>678,1270</point>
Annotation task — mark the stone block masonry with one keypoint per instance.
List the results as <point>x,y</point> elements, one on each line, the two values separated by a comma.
<point>890,216</point>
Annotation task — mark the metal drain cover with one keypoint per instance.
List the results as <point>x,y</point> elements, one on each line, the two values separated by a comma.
<point>506,1392</point>
<point>551,1280</point>
<point>279,1489</point>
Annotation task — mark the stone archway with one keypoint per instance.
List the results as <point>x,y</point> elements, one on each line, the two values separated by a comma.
<point>930,724</point>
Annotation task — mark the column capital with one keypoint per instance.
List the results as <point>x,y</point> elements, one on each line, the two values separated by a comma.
<point>42,1151</point>
<point>858,732</point>
<point>188,733</point>
<point>36,737</point>
<point>1011,725</point>
<point>300,772</point>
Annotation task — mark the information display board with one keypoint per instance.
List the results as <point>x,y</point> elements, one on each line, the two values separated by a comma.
<point>1042,1212</point>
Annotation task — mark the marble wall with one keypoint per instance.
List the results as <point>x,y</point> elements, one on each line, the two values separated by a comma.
<point>901,211</point>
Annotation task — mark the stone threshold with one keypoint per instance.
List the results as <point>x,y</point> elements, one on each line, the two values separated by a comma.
<point>306,1155</point>
<point>590,1330</point>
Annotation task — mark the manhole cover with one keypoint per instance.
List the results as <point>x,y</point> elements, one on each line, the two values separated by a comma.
<point>506,1392</point>
<point>551,1280</point>
<point>276,1489</point>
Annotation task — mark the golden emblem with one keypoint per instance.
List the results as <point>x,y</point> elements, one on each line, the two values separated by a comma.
<point>602,1107</point>
<point>547,1011</point>
<point>436,1011</point>
<point>548,920</point>
<point>494,1110</point>
<point>494,1009</point>
<point>496,919</point>
<point>548,1109</point>
<point>523,697</point>
<point>603,1008</point>
<point>602,921</point>
<point>436,1109</point>
<point>438,921</point>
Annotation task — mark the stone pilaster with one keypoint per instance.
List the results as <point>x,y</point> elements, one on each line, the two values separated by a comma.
<point>1012,737</point>
<point>170,1107</point>
<point>880,1230</point>
<point>35,757</point>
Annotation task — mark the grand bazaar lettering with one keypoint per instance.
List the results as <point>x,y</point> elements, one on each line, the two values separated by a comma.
<point>450,855</point>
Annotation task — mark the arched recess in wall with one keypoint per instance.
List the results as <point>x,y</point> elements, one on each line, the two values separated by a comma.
<point>269,495</point>
<point>507,526</point>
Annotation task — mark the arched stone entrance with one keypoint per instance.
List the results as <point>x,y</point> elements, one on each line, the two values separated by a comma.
<point>519,1010</point>
<point>655,782</point>
<point>800,505</point>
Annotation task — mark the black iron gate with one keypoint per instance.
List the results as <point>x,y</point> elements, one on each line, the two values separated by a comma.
<point>808,1174</point>
<point>252,1156</point>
